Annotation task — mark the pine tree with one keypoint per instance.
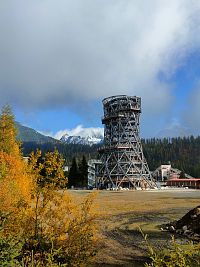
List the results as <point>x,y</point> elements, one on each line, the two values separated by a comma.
<point>73,177</point>
<point>83,170</point>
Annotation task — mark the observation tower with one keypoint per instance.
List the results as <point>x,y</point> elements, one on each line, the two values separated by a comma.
<point>123,162</point>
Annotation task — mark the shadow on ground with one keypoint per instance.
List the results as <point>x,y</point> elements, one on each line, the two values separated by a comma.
<point>123,244</point>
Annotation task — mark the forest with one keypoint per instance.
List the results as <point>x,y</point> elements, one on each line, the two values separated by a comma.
<point>183,153</point>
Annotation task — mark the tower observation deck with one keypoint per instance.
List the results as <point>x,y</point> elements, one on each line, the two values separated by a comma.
<point>123,162</point>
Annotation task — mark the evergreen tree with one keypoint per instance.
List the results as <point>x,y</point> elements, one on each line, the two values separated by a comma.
<point>73,178</point>
<point>83,170</point>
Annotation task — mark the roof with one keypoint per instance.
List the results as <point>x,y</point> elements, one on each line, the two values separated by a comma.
<point>184,180</point>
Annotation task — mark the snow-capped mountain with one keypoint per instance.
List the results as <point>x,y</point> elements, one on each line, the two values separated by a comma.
<point>89,140</point>
<point>83,136</point>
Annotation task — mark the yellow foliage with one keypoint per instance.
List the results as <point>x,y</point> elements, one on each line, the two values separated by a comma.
<point>44,219</point>
<point>8,132</point>
<point>48,169</point>
<point>52,229</point>
<point>54,218</point>
<point>15,182</point>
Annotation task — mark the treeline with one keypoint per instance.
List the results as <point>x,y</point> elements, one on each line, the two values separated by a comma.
<point>69,151</point>
<point>182,153</point>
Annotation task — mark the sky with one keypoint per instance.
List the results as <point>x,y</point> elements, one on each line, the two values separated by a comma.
<point>59,59</point>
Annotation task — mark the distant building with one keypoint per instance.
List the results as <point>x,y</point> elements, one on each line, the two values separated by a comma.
<point>190,183</point>
<point>93,167</point>
<point>165,172</point>
<point>26,159</point>
<point>162,173</point>
<point>66,168</point>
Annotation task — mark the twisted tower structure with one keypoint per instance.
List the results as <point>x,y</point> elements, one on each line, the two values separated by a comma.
<point>123,162</point>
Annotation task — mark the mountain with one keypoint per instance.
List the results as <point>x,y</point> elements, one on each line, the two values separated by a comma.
<point>32,140</point>
<point>26,134</point>
<point>92,139</point>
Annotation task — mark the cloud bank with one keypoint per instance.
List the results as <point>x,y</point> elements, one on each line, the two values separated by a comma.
<point>68,53</point>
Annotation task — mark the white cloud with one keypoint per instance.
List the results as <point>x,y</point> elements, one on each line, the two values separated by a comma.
<point>79,130</point>
<point>67,53</point>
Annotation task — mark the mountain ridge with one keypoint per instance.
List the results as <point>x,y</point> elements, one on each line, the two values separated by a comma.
<point>27,134</point>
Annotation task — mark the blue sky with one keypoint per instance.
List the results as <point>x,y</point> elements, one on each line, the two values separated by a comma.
<point>59,59</point>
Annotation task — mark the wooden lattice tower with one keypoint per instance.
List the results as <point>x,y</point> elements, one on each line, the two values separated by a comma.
<point>123,162</point>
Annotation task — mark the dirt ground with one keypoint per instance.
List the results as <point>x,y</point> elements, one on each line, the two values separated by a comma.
<point>123,213</point>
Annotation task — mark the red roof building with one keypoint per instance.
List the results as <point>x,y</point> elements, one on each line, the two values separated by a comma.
<point>183,182</point>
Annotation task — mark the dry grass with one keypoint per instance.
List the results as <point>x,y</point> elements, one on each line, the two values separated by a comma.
<point>123,212</point>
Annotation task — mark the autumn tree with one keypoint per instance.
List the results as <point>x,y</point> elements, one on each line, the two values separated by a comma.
<point>8,132</point>
<point>58,232</point>
<point>53,171</point>
<point>16,182</point>
<point>40,225</point>
<point>49,169</point>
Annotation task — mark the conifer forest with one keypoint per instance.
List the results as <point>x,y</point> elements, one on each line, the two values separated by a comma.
<point>182,152</point>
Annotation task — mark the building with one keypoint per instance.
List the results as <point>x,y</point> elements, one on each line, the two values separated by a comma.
<point>166,172</point>
<point>190,183</point>
<point>162,173</point>
<point>93,169</point>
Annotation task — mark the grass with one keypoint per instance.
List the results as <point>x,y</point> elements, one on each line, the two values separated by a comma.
<point>123,212</point>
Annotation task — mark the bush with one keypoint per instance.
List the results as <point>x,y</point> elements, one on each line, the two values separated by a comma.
<point>52,231</point>
<point>9,251</point>
<point>178,255</point>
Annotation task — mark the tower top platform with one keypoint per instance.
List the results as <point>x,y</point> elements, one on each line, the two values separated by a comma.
<point>120,97</point>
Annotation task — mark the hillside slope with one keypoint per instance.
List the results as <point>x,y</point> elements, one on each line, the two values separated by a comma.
<point>26,134</point>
